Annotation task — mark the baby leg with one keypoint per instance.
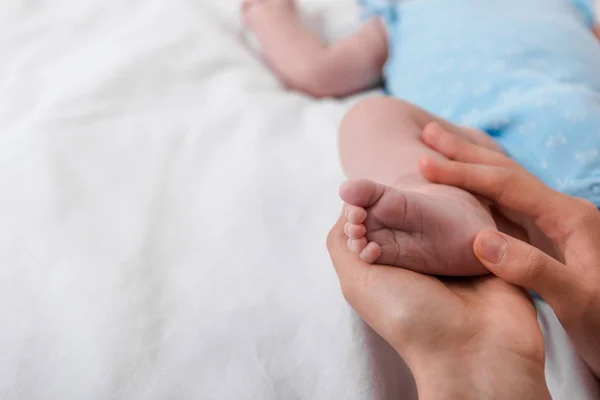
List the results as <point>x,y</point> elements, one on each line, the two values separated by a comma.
<point>396,217</point>
<point>304,62</point>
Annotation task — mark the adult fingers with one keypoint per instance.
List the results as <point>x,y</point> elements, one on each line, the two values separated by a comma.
<point>526,198</point>
<point>521,264</point>
<point>458,149</point>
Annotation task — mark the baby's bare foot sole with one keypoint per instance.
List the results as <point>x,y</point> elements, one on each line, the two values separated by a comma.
<point>422,232</point>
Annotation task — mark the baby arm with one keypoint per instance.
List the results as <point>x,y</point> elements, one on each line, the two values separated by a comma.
<point>304,62</point>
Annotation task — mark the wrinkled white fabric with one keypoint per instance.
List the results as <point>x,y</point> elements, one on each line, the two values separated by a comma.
<point>163,210</point>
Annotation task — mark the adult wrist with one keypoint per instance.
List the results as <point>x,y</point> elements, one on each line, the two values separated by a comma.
<point>486,375</point>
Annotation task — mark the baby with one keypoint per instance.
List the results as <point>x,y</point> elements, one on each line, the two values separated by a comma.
<point>516,76</point>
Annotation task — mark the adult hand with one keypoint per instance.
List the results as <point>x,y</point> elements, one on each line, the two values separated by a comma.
<point>461,338</point>
<point>570,286</point>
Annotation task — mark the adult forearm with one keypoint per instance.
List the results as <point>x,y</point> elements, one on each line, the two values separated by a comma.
<point>487,376</point>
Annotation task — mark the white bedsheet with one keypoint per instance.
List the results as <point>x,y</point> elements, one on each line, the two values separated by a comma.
<point>163,210</point>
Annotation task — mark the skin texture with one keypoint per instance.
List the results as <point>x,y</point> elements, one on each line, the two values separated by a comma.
<point>478,337</point>
<point>570,283</point>
<point>469,339</point>
<point>304,62</point>
<point>421,315</point>
<point>379,142</point>
<point>405,220</point>
<point>396,217</point>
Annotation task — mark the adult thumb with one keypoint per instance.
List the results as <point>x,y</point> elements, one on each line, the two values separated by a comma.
<point>523,265</point>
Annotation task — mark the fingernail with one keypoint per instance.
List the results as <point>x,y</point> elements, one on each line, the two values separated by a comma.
<point>492,247</point>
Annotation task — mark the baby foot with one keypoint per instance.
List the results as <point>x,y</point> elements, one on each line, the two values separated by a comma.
<point>257,12</point>
<point>430,233</point>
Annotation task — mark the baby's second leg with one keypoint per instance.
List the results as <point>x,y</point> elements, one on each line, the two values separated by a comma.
<point>304,62</point>
<point>396,217</point>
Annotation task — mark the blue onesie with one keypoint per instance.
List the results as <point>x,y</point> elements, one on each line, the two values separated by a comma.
<point>525,71</point>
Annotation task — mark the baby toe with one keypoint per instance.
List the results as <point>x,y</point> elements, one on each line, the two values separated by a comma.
<point>357,245</point>
<point>355,231</point>
<point>356,215</point>
<point>371,252</point>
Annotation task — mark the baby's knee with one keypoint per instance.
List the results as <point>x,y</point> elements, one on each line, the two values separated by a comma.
<point>377,114</point>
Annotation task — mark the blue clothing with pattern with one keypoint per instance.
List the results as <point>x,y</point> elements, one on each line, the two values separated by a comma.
<point>525,71</point>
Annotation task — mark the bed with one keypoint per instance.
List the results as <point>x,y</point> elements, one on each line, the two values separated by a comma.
<point>164,204</point>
